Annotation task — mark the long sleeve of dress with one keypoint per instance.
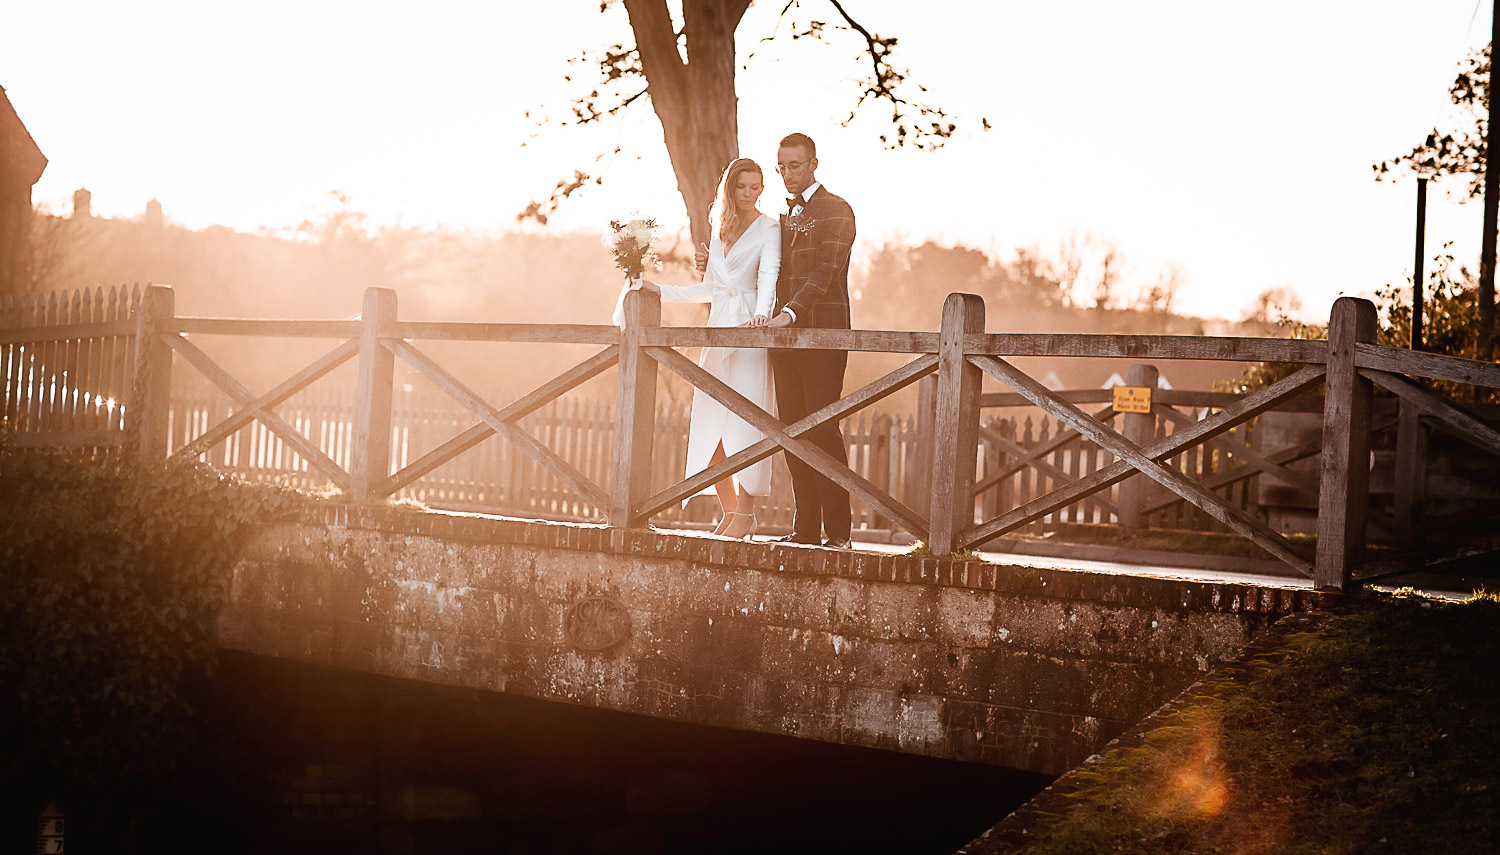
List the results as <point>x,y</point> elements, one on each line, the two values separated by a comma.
<point>770,266</point>
<point>699,293</point>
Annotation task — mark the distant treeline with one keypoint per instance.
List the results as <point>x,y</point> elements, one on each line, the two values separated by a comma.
<point>321,268</point>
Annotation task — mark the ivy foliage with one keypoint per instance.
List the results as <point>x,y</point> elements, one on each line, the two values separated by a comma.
<point>112,572</point>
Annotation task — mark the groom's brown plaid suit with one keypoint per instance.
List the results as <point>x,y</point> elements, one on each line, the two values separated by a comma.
<point>814,285</point>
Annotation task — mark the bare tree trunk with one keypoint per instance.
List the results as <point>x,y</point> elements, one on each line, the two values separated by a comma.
<point>695,99</point>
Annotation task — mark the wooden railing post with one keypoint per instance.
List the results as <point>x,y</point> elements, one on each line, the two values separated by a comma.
<point>955,434</point>
<point>921,481</point>
<point>635,413</point>
<point>150,409</point>
<point>1344,491</point>
<point>370,450</point>
<point>1139,428</point>
<point>1411,476</point>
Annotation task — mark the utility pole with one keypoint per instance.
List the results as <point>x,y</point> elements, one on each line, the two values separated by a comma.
<point>1491,203</point>
<point>1416,276</point>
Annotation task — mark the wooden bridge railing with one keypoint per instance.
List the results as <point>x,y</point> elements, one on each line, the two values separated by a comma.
<point>36,349</point>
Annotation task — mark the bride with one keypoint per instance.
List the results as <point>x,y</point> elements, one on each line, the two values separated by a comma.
<point>744,256</point>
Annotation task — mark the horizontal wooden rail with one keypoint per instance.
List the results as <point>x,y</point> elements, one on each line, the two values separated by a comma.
<point>1222,348</point>
<point>1433,366</point>
<point>268,327</point>
<point>540,333</point>
<point>1072,396</point>
<point>1172,397</point>
<point>67,332</point>
<point>867,341</point>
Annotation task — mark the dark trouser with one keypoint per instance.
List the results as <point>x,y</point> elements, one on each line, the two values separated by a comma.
<point>807,381</point>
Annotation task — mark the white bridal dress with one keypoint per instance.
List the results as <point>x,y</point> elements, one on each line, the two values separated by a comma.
<point>738,285</point>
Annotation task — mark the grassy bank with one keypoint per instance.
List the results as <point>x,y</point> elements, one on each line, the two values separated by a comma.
<point>1375,731</point>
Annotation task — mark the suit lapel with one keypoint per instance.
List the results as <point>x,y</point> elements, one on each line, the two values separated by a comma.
<point>789,236</point>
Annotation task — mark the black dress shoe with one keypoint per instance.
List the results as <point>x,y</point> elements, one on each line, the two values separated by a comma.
<point>796,538</point>
<point>846,543</point>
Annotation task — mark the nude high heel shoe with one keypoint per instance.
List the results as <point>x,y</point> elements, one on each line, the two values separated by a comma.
<point>754,524</point>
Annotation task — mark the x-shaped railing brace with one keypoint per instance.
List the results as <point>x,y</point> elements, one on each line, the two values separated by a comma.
<point>252,408</point>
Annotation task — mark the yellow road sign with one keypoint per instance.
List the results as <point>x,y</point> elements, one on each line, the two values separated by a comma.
<point>1132,399</point>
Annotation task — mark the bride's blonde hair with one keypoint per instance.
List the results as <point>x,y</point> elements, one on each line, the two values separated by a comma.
<point>724,209</point>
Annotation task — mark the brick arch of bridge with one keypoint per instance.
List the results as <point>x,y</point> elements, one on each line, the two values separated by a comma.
<point>1024,668</point>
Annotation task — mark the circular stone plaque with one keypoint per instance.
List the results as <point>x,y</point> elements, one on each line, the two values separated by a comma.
<point>596,623</point>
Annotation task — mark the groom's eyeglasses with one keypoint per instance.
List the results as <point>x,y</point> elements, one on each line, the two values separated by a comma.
<point>795,165</point>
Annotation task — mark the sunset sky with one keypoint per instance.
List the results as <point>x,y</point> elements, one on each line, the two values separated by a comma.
<point>1232,139</point>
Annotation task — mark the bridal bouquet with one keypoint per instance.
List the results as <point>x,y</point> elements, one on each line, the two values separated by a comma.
<point>633,241</point>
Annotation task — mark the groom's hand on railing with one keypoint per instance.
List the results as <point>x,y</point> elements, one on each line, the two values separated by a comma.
<point>781,320</point>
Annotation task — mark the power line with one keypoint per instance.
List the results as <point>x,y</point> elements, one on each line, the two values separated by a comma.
<point>1463,49</point>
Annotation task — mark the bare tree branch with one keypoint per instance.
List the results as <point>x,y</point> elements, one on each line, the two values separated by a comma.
<point>1459,152</point>
<point>917,124</point>
<point>678,67</point>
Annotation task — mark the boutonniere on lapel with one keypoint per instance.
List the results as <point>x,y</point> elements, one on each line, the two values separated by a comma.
<point>800,224</point>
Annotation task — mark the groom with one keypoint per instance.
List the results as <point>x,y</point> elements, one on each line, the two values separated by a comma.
<point>817,234</point>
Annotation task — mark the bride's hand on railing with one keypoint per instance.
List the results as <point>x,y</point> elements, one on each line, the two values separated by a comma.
<point>758,321</point>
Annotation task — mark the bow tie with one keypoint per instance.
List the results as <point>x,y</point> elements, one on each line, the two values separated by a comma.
<point>793,202</point>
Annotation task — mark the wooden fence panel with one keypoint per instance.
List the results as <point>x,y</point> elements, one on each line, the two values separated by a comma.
<point>60,387</point>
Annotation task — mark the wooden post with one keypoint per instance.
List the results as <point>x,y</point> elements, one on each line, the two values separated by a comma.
<point>370,448</point>
<point>955,434</point>
<point>1411,477</point>
<point>1140,429</point>
<point>635,413</point>
<point>1344,491</point>
<point>1416,275</point>
<point>921,481</point>
<point>994,458</point>
<point>151,386</point>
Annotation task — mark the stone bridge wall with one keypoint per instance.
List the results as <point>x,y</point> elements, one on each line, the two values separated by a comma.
<point>1030,669</point>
